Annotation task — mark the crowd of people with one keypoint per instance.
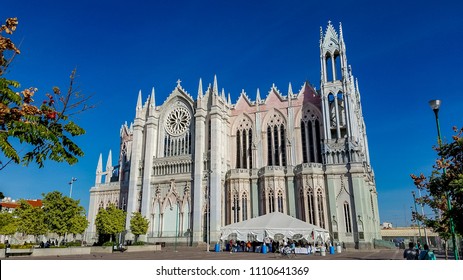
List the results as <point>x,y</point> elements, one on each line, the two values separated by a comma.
<point>415,252</point>
<point>273,246</point>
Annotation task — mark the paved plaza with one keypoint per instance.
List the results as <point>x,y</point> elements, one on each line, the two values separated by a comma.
<point>194,253</point>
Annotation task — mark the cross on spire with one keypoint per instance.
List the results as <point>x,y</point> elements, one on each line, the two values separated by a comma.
<point>178,83</point>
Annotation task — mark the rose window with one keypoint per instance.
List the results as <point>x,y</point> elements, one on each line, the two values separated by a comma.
<point>178,121</point>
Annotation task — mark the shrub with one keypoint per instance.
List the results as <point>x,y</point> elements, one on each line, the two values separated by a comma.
<point>108,244</point>
<point>138,243</point>
<point>74,244</point>
<point>18,246</point>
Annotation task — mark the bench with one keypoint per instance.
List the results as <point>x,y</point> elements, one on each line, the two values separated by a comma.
<point>18,252</point>
<point>163,244</point>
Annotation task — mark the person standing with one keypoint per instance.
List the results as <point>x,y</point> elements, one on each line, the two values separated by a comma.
<point>426,254</point>
<point>411,253</point>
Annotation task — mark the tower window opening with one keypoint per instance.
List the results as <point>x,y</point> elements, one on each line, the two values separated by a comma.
<point>321,208</point>
<point>347,217</point>
<point>329,68</point>
<point>337,67</point>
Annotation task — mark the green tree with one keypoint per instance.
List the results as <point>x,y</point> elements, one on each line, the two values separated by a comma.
<point>2,196</point>
<point>42,132</point>
<point>110,221</point>
<point>31,220</point>
<point>8,223</point>
<point>78,224</point>
<point>446,181</point>
<point>138,225</point>
<point>63,214</point>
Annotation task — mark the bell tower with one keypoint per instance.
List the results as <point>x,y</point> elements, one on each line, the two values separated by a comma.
<point>350,182</point>
<point>344,129</point>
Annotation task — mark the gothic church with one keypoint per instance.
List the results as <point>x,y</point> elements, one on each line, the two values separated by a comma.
<point>191,166</point>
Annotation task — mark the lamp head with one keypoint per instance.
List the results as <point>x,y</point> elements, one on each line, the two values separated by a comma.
<point>435,104</point>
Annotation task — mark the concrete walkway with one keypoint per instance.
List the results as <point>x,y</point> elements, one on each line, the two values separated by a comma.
<point>194,253</point>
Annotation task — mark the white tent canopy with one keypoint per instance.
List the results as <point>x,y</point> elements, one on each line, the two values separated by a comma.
<point>274,225</point>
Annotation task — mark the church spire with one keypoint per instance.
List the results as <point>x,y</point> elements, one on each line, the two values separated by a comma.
<point>99,167</point>
<point>139,101</point>
<point>341,38</point>
<point>109,168</point>
<point>99,170</point>
<point>200,89</point>
<point>109,163</point>
<point>152,104</point>
<point>153,101</point>
<point>223,94</point>
<point>215,88</point>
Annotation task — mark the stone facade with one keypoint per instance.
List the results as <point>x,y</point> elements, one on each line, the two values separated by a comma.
<point>303,153</point>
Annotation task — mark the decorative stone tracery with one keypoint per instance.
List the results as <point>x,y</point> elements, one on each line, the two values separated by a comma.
<point>178,121</point>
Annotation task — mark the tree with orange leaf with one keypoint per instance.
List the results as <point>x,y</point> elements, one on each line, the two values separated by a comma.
<point>43,131</point>
<point>446,181</point>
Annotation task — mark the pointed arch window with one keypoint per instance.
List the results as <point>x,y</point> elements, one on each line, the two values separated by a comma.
<point>311,207</point>
<point>347,217</point>
<point>209,132</point>
<point>337,66</point>
<point>276,141</point>
<point>341,109</point>
<point>280,202</point>
<point>337,115</point>
<point>333,67</point>
<point>236,207</point>
<point>269,146</point>
<point>329,75</point>
<point>238,149</point>
<point>310,135</point>
<point>332,115</point>
<point>302,205</point>
<point>341,112</point>
<point>244,207</point>
<point>321,208</point>
<point>271,201</point>
<point>244,144</point>
<point>250,147</point>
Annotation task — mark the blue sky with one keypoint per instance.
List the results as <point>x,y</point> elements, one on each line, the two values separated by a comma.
<point>404,53</point>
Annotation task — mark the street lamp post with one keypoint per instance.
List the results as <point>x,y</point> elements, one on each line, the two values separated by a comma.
<point>416,212</point>
<point>70,183</point>
<point>435,105</point>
